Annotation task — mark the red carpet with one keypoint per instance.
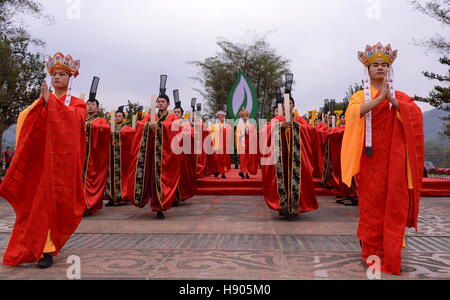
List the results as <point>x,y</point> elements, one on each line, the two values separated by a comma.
<point>435,187</point>
<point>236,186</point>
<point>232,186</point>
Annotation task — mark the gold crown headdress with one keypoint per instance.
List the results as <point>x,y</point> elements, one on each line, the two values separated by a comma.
<point>64,63</point>
<point>244,113</point>
<point>371,54</point>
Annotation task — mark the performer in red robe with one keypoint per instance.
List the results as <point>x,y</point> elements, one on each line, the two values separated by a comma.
<point>247,136</point>
<point>221,139</point>
<point>388,125</point>
<point>319,149</point>
<point>288,184</point>
<point>201,133</point>
<point>155,171</point>
<point>201,158</point>
<point>119,161</point>
<point>95,172</point>
<point>186,187</point>
<point>44,184</point>
<point>332,176</point>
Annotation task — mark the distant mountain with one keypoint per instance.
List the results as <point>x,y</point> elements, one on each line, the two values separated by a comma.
<point>434,128</point>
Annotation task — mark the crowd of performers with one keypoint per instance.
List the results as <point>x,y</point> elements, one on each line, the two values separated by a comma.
<point>69,160</point>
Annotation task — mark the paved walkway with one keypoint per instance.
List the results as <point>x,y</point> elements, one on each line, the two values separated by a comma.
<point>224,237</point>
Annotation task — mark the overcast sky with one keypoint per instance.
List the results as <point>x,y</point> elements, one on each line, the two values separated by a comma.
<point>128,44</point>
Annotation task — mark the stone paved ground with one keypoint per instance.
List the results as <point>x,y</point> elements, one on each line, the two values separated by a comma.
<point>235,238</point>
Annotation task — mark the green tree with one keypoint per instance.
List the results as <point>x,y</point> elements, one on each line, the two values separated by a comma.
<point>257,59</point>
<point>21,70</point>
<point>440,96</point>
<point>134,109</point>
<point>352,89</point>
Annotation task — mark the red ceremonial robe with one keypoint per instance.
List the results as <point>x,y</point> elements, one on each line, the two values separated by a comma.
<point>187,187</point>
<point>119,163</point>
<point>288,184</point>
<point>220,160</point>
<point>331,174</point>
<point>155,170</point>
<point>44,183</point>
<point>95,172</point>
<point>201,158</point>
<point>319,149</point>
<point>390,179</point>
<point>335,137</point>
<point>249,161</point>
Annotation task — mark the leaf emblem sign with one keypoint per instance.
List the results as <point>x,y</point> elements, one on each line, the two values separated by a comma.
<point>242,95</point>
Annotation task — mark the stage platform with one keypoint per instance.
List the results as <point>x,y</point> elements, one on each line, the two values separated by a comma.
<point>236,186</point>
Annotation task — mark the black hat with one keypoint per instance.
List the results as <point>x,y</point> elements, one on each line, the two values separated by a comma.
<point>120,110</point>
<point>332,106</point>
<point>176,97</point>
<point>177,105</point>
<point>94,86</point>
<point>326,108</point>
<point>162,85</point>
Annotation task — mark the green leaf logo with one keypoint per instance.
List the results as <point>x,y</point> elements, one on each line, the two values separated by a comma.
<point>242,95</point>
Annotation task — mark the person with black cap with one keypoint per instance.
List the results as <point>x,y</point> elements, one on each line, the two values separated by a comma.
<point>331,168</point>
<point>156,169</point>
<point>201,134</point>
<point>119,160</point>
<point>287,173</point>
<point>186,187</point>
<point>98,139</point>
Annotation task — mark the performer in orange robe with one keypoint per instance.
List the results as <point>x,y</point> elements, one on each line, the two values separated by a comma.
<point>392,166</point>
<point>221,158</point>
<point>288,184</point>
<point>247,132</point>
<point>155,171</point>
<point>186,187</point>
<point>119,162</point>
<point>95,172</point>
<point>44,184</point>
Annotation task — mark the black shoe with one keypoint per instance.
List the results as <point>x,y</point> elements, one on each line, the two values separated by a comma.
<point>216,175</point>
<point>175,204</point>
<point>284,212</point>
<point>242,175</point>
<point>223,176</point>
<point>160,215</point>
<point>248,177</point>
<point>86,214</point>
<point>46,262</point>
<point>350,202</point>
<point>110,204</point>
